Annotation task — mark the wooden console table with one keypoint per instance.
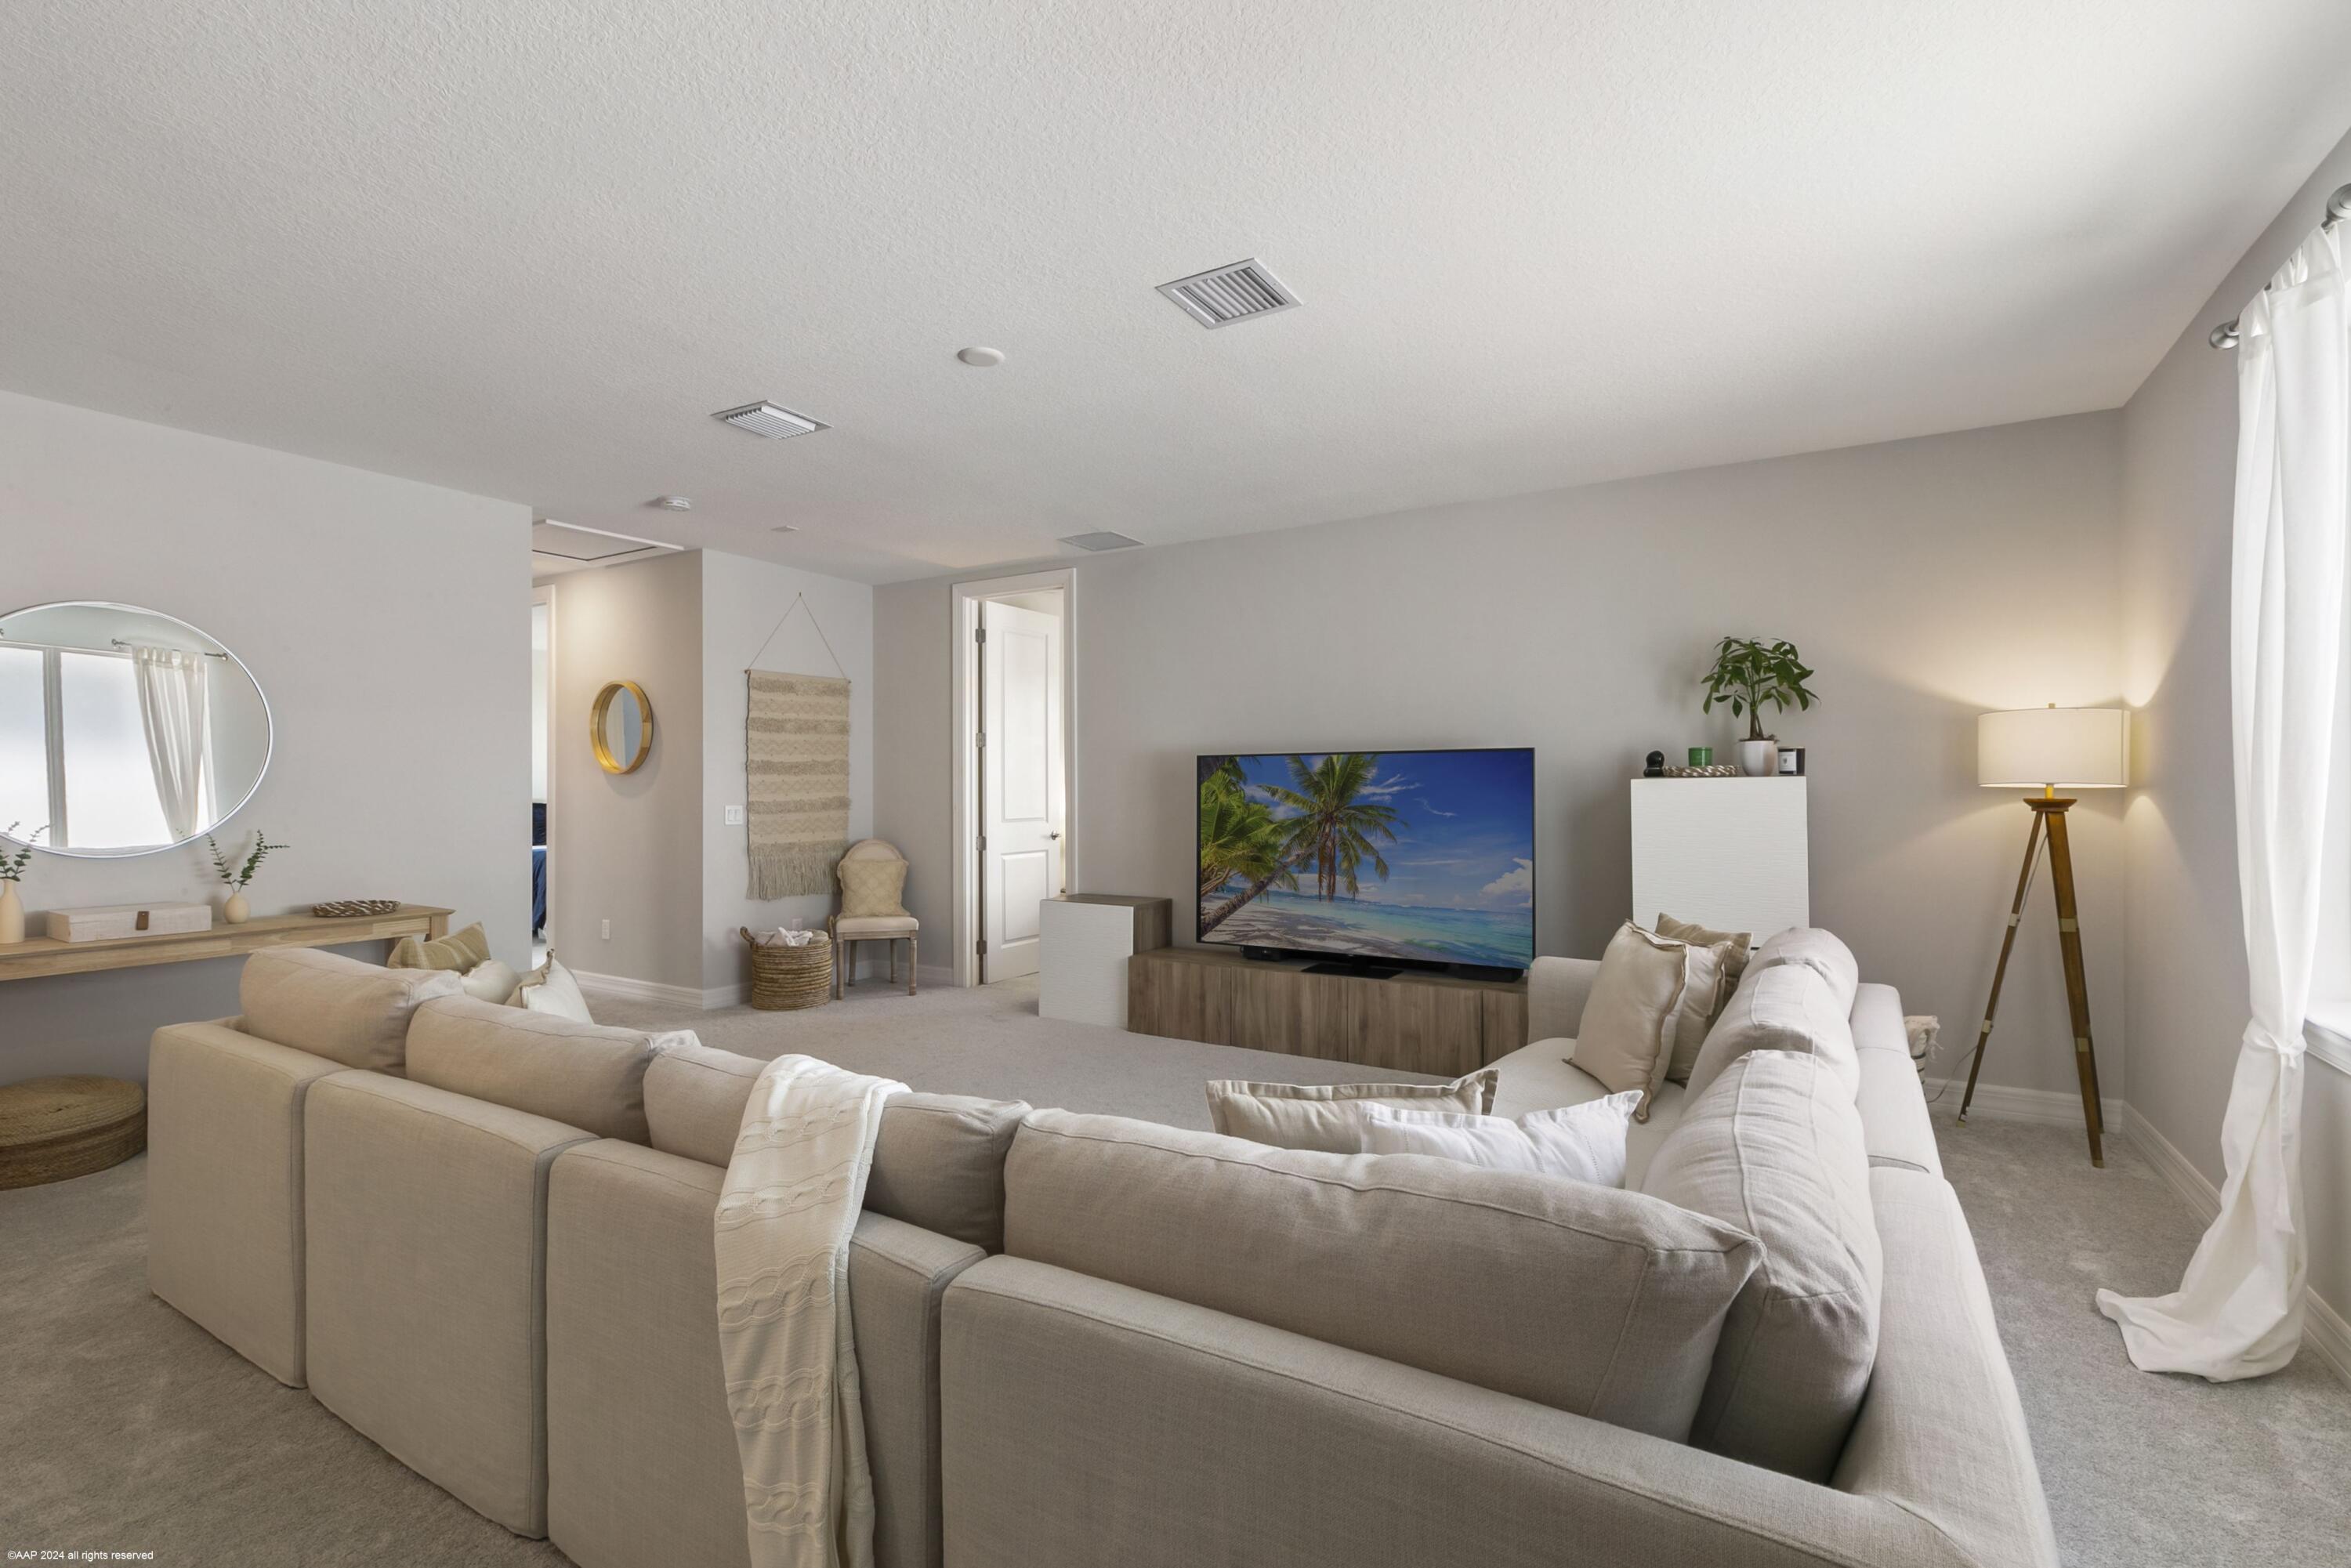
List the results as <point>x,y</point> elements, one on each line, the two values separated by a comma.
<point>1413,1023</point>
<point>46,956</point>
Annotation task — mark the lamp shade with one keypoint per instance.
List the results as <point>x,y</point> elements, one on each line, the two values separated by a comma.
<point>2081,747</point>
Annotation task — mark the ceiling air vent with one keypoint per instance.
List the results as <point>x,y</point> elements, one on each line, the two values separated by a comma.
<point>1228,294</point>
<point>1102,541</point>
<point>765,419</point>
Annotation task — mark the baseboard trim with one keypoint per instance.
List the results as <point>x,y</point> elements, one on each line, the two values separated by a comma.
<point>2046,1107</point>
<point>628,988</point>
<point>2322,1328</point>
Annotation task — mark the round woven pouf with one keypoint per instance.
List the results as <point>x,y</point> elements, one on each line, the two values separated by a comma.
<point>52,1129</point>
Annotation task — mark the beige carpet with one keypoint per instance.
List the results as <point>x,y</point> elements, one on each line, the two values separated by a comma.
<point>125,1427</point>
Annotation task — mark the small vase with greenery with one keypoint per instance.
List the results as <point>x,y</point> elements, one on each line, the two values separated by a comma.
<point>12,872</point>
<point>1748,673</point>
<point>236,879</point>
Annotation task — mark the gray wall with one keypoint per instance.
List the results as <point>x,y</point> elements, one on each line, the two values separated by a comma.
<point>386,622</point>
<point>627,847</point>
<point>1927,580</point>
<point>2187,998</point>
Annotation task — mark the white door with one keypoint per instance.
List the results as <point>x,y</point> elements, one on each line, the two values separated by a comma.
<point>1020,791</point>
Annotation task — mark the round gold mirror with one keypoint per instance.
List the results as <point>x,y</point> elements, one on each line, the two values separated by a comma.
<point>622,727</point>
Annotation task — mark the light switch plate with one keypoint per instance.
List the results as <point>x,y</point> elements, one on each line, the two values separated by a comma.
<point>734,816</point>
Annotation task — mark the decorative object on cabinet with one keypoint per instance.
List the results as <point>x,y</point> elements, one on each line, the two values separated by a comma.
<point>1747,674</point>
<point>147,732</point>
<point>235,911</point>
<point>2081,748</point>
<point>1084,942</point>
<point>873,877</point>
<point>351,908</point>
<point>785,977</point>
<point>53,1129</point>
<point>620,726</point>
<point>1654,765</point>
<point>1701,757</point>
<point>1791,762</point>
<point>1712,770</point>
<point>12,870</point>
<point>1730,854</point>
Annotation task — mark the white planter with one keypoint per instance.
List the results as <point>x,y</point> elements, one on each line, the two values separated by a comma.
<point>1759,758</point>
<point>236,911</point>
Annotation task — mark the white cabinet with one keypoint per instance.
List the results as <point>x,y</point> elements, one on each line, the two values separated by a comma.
<point>1732,853</point>
<point>1084,942</point>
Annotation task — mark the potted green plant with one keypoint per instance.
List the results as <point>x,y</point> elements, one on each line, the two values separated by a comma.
<point>235,878</point>
<point>12,872</point>
<point>1748,673</point>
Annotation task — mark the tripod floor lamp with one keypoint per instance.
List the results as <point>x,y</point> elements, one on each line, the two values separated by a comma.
<point>2078,747</point>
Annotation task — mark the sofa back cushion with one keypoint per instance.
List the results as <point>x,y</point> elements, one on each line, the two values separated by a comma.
<point>337,1007</point>
<point>1775,1148</point>
<point>938,1160</point>
<point>1585,1299</point>
<point>584,1074</point>
<point>1823,952</point>
<point>1787,1007</point>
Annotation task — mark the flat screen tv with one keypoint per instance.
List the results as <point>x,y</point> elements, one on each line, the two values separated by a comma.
<point>1418,857</point>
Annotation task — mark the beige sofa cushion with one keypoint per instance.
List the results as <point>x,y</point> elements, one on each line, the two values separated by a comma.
<point>1786,1008</point>
<point>1330,1116</point>
<point>1774,1149</point>
<point>335,1007</point>
<point>1626,1035</point>
<point>938,1160</point>
<point>1823,952</point>
<point>1586,1299</point>
<point>583,1074</point>
<point>1892,1105</point>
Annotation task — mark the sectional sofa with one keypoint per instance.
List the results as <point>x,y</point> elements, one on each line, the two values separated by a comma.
<point>483,1239</point>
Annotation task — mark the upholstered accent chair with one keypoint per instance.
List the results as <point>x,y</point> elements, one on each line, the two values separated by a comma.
<point>873,878</point>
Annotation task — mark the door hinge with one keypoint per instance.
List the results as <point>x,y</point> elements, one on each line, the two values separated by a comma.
<point>983,843</point>
<point>979,739</point>
<point>980,635</point>
<point>983,946</point>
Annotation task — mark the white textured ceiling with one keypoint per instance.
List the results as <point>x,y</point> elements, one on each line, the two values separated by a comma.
<point>526,248</point>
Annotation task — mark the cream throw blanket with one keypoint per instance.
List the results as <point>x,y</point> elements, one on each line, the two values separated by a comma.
<point>791,1198</point>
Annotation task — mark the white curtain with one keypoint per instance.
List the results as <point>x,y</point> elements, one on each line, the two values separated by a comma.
<point>172,696</point>
<point>2237,1312</point>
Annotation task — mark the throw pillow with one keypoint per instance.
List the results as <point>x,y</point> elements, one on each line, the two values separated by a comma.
<point>1707,936</point>
<point>1582,1142</point>
<point>1702,1002</point>
<point>1330,1116</point>
<point>871,887</point>
<point>551,988</point>
<point>460,951</point>
<point>1819,951</point>
<point>1625,1039</point>
<point>491,980</point>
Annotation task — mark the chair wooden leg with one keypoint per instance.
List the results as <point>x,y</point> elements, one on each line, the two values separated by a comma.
<point>911,950</point>
<point>892,946</point>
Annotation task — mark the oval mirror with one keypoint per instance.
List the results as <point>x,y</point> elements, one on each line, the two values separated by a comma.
<point>122,731</point>
<point>622,727</point>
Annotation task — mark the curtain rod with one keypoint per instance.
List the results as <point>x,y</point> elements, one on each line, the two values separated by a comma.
<point>75,648</point>
<point>2339,207</point>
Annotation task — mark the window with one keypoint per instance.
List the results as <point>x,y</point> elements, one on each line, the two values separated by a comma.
<point>73,750</point>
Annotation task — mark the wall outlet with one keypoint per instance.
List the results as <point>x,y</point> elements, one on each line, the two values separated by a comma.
<point>607,932</point>
<point>734,816</point>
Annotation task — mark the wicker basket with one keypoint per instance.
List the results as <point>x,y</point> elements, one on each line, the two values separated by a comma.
<point>784,979</point>
<point>55,1128</point>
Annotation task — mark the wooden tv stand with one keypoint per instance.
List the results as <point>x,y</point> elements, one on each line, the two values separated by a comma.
<point>1415,1022</point>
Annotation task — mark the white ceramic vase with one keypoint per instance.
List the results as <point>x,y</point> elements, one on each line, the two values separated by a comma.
<point>236,911</point>
<point>1759,758</point>
<point>11,914</point>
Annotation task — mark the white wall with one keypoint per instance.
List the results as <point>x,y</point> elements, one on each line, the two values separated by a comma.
<point>2188,994</point>
<point>382,619</point>
<point>741,601</point>
<point>626,847</point>
<point>1927,580</point>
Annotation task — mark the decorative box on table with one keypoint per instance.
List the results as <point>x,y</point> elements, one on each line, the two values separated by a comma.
<point>108,922</point>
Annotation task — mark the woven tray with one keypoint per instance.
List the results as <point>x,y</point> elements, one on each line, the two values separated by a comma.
<point>345,908</point>
<point>52,1129</point>
<point>786,978</point>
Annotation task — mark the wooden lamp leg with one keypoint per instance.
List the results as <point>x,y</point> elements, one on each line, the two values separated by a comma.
<point>1999,973</point>
<point>2077,985</point>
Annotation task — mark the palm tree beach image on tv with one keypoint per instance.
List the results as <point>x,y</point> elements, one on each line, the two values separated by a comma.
<point>1418,857</point>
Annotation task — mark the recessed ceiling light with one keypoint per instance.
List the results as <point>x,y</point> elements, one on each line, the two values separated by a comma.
<point>1100,542</point>
<point>785,528</point>
<point>985,358</point>
<point>673,503</point>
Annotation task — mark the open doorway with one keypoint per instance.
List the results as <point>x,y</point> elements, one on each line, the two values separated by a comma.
<point>1015,794</point>
<point>542,757</point>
